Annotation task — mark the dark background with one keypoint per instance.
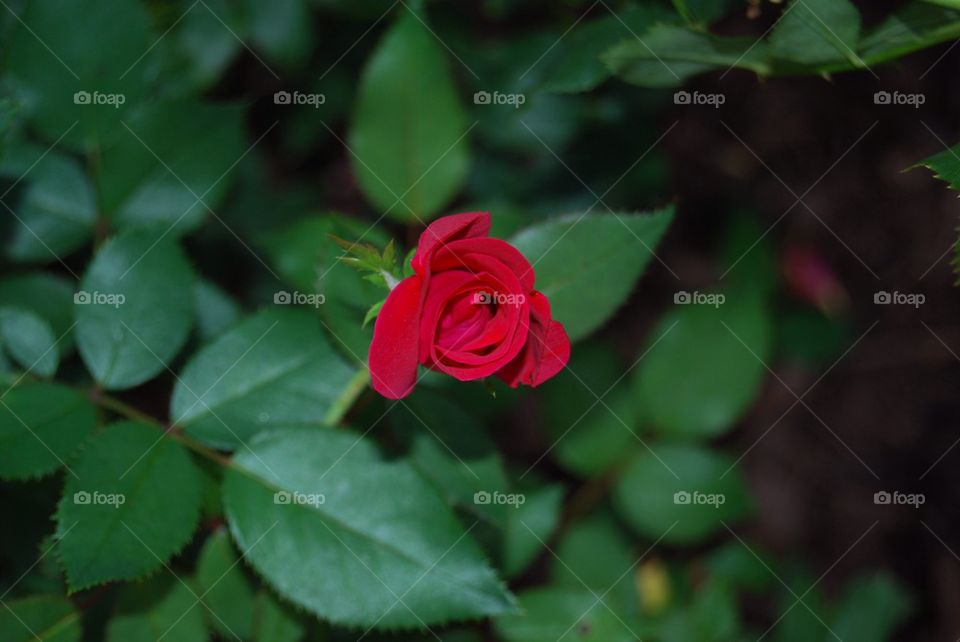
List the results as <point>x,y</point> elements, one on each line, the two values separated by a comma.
<point>892,400</point>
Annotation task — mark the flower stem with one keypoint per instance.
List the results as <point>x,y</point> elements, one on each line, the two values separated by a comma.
<point>346,399</point>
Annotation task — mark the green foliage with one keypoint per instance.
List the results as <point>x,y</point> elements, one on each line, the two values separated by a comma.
<point>41,425</point>
<point>135,308</point>
<point>810,37</point>
<point>271,369</point>
<point>872,607</point>
<point>307,256</point>
<point>216,311</point>
<point>586,263</point>
<point>174,166</point>
<point>163,607</point>
<point>48,79</point>
<point>234,607</point>
<point>529,526</point>
<point>945,165</point>
<point>107,519</point>
<point>575,67</point>
<point>42,617</point>
<point>682,494</point>
<point>183,335</point>
<point>597,553</point>
<point>553,613</point>
<point>817,31</point>
<point>354,520</point>
<point>29,340</point>
<point>704,365</point>
<point>48,296</point>
<point>407,87</point>
<point>673,54</point>
<point>451,449</point>
<point>57,211</point>
<point>712,617</point>
<point>590,414</point>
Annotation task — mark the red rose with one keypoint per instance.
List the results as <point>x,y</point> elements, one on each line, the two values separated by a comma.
<point>469,310</point>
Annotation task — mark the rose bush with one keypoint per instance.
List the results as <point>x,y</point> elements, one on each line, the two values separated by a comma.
<point>470,310</point>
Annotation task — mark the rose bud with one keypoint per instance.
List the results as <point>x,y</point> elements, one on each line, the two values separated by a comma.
<point>470,310</point>
<point>812,279</point>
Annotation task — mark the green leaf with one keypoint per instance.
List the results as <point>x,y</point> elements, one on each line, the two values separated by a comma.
<point>55,214</point>
<point>911,27</point>
<point>586,265</point>
<point>680,493</point>
<point>9,111</point>
<point>227,594</point>
<point>373,312</point>
<point>705,364</point>
<point>576,64</point>
<point>50,618</point>
<point>28,339</point>
<point>588,435</point>
<point>234,608</point>
<point>135,501</point>
<point>738,567</point>
<point>529,526</point>
<point>51,57</point>
<point>306,256</point>
<point>595,552</point>
<point>282,30</point>
<point>41,425</point>
<point>945,166</point>
<point>817,31</point>
<point>172,165</point>
<point>873,608</point>
<point>713,616</point>
<point>135,309</point>
<point>408,131</point>
<point>564,612</point>
<point>275,622</point>
<point>216,311</point>
<point>161,608</point>
<point>47,295</point>
<point>667,55</point>
<point>342,533</point>
<point>801,623</point>
<point>203,44</point>
<point>450,448</point>
<point>273,368</point>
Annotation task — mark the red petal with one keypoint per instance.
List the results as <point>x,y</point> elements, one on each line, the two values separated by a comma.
<point>476,254</point>
<point>393,351</point>
<point>450,228</point>
<point>547,350</point>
